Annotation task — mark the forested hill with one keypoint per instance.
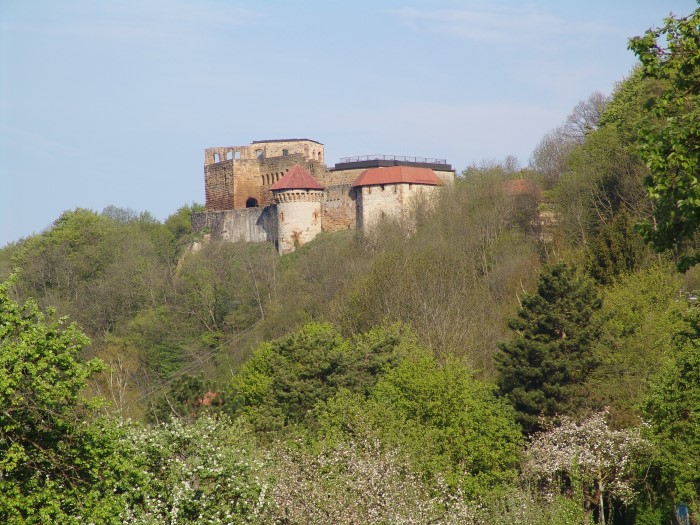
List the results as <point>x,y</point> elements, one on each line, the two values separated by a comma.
<point>524,352</point>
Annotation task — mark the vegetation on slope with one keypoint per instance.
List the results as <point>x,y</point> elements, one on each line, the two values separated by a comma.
<point>521,355</point>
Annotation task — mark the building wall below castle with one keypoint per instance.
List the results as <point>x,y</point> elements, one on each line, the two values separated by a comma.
<point>248,224</point>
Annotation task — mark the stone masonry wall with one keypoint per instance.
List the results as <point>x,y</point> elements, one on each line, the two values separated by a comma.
<point>447,177</point>
<point>342,176</point>
<point>246,182</point>
<point>298,218</point>
<point>339,208</point>
<point>275,148</point>
<point>273,169</point>
<point>390,201</point>
<point>218,185</point>
<point>248,224</point>
<point>265,149</point>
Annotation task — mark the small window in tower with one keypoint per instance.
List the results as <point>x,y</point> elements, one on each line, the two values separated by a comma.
<point>229,155</point>
<point>259,153</point>
<point>237,155</point>
<point>285,152</point>
<point>216,157</point>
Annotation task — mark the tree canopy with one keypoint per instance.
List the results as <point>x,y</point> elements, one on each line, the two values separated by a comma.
<point>670,136</point>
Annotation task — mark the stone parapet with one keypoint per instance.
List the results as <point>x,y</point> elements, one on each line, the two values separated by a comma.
<point>298,196</point>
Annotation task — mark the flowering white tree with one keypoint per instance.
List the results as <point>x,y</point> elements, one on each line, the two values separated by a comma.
<point>590,452</point>
<point>203,471</point>
<point>358,482</point>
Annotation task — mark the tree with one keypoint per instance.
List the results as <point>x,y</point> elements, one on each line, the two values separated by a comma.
<point>357,481</point>
<point>540,369</point>
<point>451,426</point>
<point>187,397</point>
<point>54,465</point>
<point>641,318</point>
<point>284,379</point>
<point>670,136</point>
<point>202,471</point>
<point>616,251</point>
<point>585,117</point>
<point>591,455</point>
<point>673,412</point>
<point>551,155</point>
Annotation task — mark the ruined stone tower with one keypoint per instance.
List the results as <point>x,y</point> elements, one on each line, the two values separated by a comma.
<point>298,196</point>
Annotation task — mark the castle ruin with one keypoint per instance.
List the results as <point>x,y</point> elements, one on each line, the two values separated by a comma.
<point>281,191</point>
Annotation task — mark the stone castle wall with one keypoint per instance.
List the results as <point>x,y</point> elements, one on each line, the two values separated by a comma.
<point>266,149</point>
<point>390,201</point>
<point>218,186</point>
<point>311,149</point>
<point>241,176</point>
<point>248,224</point>
<point>339,208</point>
<point>246,182</point>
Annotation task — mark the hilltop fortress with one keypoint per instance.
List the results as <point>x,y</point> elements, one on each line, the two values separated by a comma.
<point>281,191</point>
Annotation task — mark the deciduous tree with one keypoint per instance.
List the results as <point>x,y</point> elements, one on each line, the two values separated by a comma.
<point>670,137</point>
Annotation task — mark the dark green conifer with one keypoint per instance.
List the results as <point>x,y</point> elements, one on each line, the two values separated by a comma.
<point>550,356</point>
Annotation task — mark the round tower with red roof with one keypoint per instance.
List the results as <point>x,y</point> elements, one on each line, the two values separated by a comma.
<point>298,196</point>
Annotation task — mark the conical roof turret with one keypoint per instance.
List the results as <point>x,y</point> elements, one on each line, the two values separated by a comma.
<point>296,178</point>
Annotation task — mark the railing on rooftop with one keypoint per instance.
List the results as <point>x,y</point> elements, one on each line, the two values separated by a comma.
<point>421,160</point>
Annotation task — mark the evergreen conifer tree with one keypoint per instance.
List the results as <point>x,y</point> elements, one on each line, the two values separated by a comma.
<point>550,356</point>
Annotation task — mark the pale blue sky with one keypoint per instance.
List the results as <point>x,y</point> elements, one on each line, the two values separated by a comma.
<point>106,102</point>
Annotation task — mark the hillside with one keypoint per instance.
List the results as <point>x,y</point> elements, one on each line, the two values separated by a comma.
<point>522,350</point>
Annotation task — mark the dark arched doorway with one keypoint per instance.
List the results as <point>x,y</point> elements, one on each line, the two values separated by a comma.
<point>251,203</point>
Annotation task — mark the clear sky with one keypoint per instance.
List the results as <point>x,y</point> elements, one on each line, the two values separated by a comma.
<point>113,102</point>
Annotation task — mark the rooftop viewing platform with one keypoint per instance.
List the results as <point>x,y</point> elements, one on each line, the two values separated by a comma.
<point>378,161</point>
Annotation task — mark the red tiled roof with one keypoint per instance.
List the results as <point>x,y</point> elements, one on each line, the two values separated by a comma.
<point>397,175</point>
<point>297,178</point>
<point>521,187</point>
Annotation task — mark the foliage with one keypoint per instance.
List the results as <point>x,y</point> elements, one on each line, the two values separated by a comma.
<point>616,251</point>
<point>670,140</point>
<point>604,178</point>
<point>54,465</point>
<point>551,355</point>
<point>202,471</point>
<point>357,481</point>
<point>188,396</point>
<point>673,412</point>
<point>455,278</point>
<point>284,379</point>
<point>450,425</point>
<point>641,316</point>
<point>590,453</point>
<point>180,222</point>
